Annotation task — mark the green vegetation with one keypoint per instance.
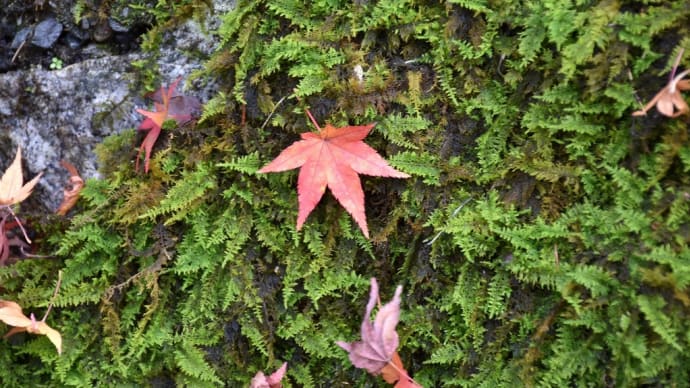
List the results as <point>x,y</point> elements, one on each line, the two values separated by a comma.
<point>542,240</point>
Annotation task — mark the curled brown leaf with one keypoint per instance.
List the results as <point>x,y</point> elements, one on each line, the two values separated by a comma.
<point>71,192</point>
<point>4,243</point>
<point>10,240</point>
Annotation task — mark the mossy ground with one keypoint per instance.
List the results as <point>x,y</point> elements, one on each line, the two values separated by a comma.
<point>542,240</point>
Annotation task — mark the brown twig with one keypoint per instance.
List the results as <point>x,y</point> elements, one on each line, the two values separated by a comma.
<point>52,300</point>
<point>16,53</point>
<point>157,266</point>
<point>273,111</point>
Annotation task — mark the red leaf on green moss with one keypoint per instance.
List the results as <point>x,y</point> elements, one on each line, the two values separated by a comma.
<point>333,158</point>
<point>273,381</point>
<point>168,105</point>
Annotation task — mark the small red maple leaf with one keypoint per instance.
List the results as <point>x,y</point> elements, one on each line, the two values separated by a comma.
<point>333,158</point>
<point>169,105</point>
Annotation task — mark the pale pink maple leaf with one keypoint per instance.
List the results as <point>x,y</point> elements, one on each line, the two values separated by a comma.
<point>273,381</point>
<point>379,338</point>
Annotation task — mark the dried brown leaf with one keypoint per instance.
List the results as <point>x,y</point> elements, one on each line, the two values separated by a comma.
<point>11,313</point>
<point>12,189</point>
<point>71,192</point>
<point>4,243</point>
<point>669,102</point>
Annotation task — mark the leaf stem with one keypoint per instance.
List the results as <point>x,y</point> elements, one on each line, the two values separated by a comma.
<point>273,111</point>
<point>403,373</point>
<point>313,120</point>
<point>675,65</point>
<point>430,241</point>
<point>19,223</point>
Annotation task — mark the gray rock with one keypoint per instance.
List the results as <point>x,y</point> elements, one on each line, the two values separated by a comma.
<point>46,33</point>
<point>197,39</point>
<point>116,26</point>
<point>64,114</point>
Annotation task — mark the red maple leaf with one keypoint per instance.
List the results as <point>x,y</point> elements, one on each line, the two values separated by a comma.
<point>169,105</point>
<point>333,158</point>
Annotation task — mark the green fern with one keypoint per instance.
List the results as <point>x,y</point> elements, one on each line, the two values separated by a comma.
<point>652,307</point>
<point>180,198</point>
<point>423,165</point>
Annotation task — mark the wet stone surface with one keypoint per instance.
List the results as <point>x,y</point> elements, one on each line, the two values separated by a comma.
<point>64,88</point>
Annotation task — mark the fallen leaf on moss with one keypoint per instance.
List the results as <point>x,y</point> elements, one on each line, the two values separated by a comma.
<point>71,192</point>
<point>12,189</point>
<point>669,102</point>
<point>376,352</point>
<point>273,381</point>
<point>333,158</point>
<point>11,314</point>
<point>379,338</point>
<point>168,105</point>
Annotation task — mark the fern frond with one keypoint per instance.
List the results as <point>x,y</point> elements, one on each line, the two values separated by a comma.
<point>180,198</point>
<point>415,163</point>
<point>652,306</point>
